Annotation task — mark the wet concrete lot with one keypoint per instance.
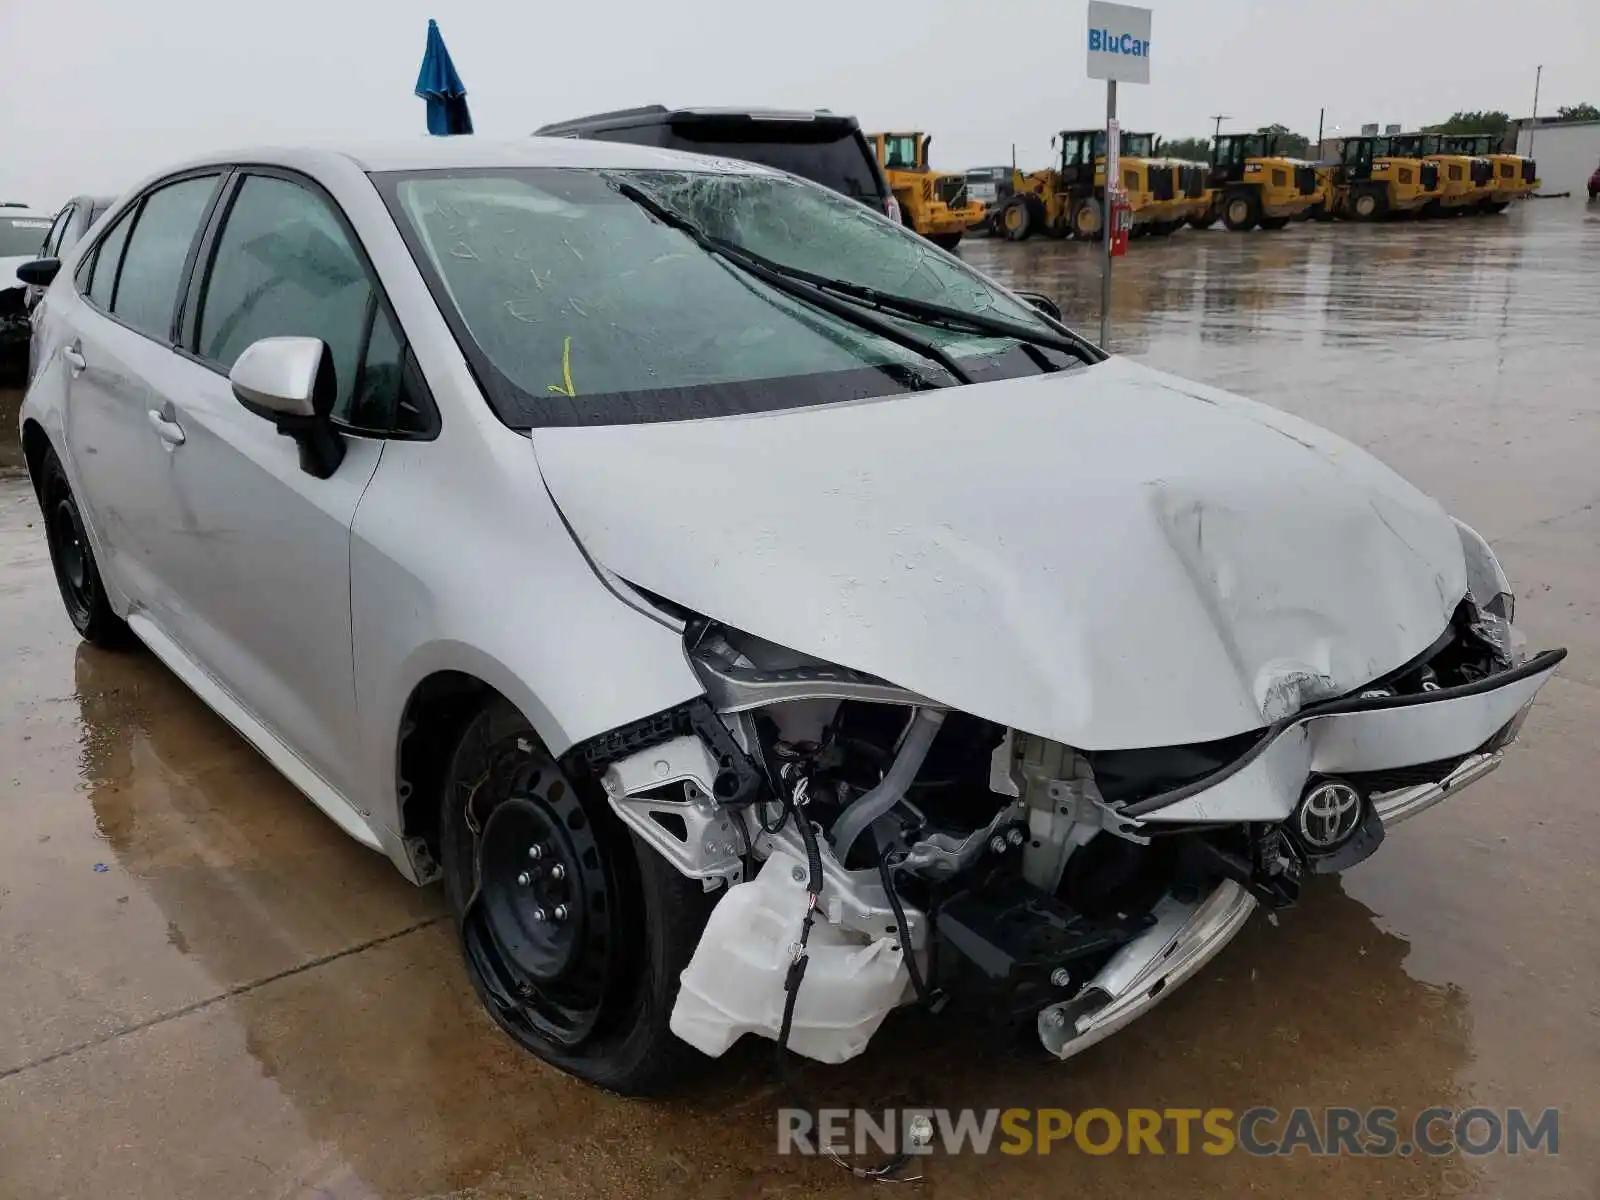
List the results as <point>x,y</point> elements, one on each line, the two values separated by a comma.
<point>207,991</point>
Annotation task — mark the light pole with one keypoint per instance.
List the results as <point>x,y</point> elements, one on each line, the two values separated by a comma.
<point>1219,118</point>
<point>1533,122</point>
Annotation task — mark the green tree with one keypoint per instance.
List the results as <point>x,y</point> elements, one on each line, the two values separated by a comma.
<point>1474,122</point>
<point>1578,112</point>
<point>1292,145</point>
<point>1196,149</point>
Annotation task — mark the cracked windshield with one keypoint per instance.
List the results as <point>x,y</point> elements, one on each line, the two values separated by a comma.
<point>575,297</point>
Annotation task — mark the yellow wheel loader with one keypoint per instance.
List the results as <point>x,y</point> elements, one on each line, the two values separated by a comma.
<point>1372,181</point>
<point>1250,184</point>
<point>1069,198</point>
<point>935,205</point>
<point>1514,175</point>
<point>1465,180</point>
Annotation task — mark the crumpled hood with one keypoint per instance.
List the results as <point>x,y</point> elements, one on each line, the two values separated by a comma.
<point>1111,557</point>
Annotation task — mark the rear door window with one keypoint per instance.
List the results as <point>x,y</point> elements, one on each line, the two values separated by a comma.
<point>103,277</point>
<point>52,241</point>
<point>158,250</point>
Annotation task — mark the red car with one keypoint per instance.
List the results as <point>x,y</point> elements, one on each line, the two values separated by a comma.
<point>1594,183</point>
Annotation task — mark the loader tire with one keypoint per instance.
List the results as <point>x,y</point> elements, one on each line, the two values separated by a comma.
<point>1016,220</point>
<point>1086,219</point>
<point>1368,204</point>
<point>1273,224</point>
<point>1241,210</point>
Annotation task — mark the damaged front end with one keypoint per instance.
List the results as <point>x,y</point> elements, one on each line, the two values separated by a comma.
<point>888,849</point>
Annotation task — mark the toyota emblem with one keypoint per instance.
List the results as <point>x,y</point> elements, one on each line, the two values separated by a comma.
<point>1328,815</point>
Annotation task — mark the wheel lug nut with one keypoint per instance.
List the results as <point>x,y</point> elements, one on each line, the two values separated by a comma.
<point>1015,837</point>
<point>536,852</point>
<point>524,879</point>
<point>1061,977</point>
<point>558,872</point>
<point>997,844</point>
<point>537,914</point>
<point>561,912</point>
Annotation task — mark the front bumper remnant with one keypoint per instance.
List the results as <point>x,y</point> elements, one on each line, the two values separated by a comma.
<point>1184,938</point>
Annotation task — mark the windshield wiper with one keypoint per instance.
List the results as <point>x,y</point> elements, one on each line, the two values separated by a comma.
<point>928,313</point>
<point>781,280</point>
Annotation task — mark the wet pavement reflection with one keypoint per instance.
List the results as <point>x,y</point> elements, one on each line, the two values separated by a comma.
<point>208,991</point>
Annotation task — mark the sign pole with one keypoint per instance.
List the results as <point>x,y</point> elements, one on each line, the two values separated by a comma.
<point>1107,215</point>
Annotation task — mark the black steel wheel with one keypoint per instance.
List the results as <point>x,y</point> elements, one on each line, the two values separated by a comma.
<point>574,933</point>
<point>72,555</point>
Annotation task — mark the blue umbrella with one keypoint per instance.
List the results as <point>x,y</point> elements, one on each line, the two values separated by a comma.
<point>441,87</point>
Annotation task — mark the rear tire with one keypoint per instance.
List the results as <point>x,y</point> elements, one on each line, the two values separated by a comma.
<point>72,555</point>
<point>612,965</point>
<point>1241,210</point>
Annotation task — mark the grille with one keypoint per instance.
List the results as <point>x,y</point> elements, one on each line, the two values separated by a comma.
<point>1161,183</point>
<point>1193,179</point>
<point>1482,171</point>
<point>1404,777</point>
<point>1130,180</point>
<point>1507,171</point>
<point>1280,177</point>
<point>953,191</point>
<point>1430,176</point>
<point>1305,180</point>
<point>1405,174</point>
<point>1527,170</point>
<point>1455,173</point>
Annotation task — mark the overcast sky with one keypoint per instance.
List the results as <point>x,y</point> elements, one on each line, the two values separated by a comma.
<point>96,93</point>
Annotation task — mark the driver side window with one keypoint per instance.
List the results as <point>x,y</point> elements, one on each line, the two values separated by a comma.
<point>283,265</point>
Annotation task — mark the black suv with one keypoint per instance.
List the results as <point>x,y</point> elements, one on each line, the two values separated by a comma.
<point>820,146</point>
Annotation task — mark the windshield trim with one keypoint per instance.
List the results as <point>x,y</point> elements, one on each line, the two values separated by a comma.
<point>521,410</point>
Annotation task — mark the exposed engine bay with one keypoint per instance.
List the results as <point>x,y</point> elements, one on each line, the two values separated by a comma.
<point>887,850</point>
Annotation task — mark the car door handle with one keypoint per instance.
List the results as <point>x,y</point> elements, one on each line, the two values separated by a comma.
<point>166,428</point>
<point>74,358</point>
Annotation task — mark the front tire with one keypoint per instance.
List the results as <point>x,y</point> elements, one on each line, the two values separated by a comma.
<point>83,592</point>
<point>1368,204</point>
<point>1016,219</point>
<point>591,993</point>
<point>1241,210</point>
<point>1086,219</point>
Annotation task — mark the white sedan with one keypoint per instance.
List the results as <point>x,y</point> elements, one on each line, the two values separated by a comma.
<point>754,617</point>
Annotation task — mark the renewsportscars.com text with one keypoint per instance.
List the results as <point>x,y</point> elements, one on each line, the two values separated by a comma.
<point>1260,1131</point>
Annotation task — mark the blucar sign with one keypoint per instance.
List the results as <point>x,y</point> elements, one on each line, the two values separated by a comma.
<point>1119,42</point>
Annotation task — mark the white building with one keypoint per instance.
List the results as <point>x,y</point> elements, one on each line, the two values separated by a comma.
<point>1565,153</point>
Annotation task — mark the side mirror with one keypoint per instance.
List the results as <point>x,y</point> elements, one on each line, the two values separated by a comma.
<point>1042,302</point>
<point>39,273</point>
<point>290,381</point>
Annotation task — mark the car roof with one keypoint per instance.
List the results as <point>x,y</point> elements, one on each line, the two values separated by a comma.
<point>13,210</point>
<point>426,153</point>
<point>657,114</point>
